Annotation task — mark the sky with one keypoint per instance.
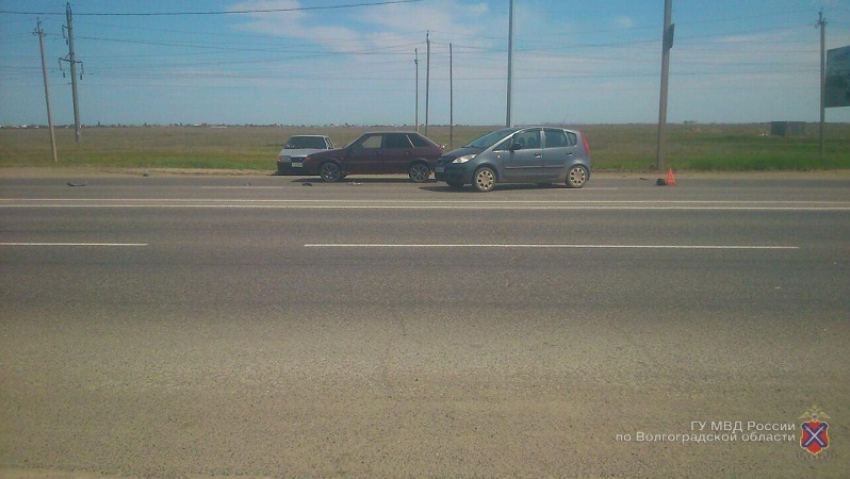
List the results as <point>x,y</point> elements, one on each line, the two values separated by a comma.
<point>324,62</point>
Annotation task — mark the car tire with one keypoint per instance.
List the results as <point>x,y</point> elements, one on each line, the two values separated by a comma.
<point>576,177</point>
<point>484,179</point>
<point>419,172</point>
<point>330,172</point>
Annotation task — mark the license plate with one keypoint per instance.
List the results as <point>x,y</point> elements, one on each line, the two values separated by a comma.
<point>440,169</point>
<point>297,164</point>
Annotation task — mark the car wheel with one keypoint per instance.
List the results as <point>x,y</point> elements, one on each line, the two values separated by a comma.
<point>484,179</point>
<point>419,172</point>
<point>330,172</point>
<point>576,177</point>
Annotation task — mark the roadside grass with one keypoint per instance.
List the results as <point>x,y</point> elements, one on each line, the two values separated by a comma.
<point>709,147</point>
<point>745,147</point>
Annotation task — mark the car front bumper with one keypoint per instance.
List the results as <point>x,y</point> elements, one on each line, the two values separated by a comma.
<point>453,173</point>
<point>292,168</point>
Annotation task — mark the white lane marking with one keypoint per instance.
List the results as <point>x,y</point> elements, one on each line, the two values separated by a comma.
<point>346,204</point>
<point>128,245</point>
<point>564,246</point>
<point>253,187</point>
<point>429,202</point>
<point>436,208</point>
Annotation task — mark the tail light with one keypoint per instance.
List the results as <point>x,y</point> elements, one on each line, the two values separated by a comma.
<point>586,145</point>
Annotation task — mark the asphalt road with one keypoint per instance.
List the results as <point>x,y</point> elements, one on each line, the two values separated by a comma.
<point>206,326</point>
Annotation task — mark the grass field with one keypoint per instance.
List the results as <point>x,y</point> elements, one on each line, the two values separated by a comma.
<point>707,147</point>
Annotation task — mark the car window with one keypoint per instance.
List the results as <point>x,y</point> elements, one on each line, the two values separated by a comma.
<point>370,141</point>
<point>396,140</point>
<point>557,139</point>
<point>418,141</point>
<point>528,139</point>
<point>504,145</point>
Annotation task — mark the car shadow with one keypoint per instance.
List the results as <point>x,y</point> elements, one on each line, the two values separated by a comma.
<point>442,187</point>
<point>364,181</point>
<point>429,185</point>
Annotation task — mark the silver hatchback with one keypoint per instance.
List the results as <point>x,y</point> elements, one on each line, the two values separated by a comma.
<point>518,155</point>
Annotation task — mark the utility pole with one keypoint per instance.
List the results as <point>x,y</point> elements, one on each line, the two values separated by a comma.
<point>822,25</point>
<point>40,33</point>
<point>667,40</point>
<point>510,63</point>
<point>72,59</point>
<point>416,61</point>
<point>451,100</point>
<point>427,76</point>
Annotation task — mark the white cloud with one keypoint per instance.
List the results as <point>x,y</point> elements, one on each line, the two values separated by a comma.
<point>422,16</point>
<point>399,23</point>
<point>288,15</point>
<point>298,24</point>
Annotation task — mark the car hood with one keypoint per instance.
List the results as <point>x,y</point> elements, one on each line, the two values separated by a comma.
<point>461,152</point>
<point>299,151</point>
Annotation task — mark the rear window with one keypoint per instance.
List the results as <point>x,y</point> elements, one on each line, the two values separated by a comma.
<point>306,142</point>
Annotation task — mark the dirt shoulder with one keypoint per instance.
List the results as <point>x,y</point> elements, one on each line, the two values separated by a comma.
<point>61,172</point>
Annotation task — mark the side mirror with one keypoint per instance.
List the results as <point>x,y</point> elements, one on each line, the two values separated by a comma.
<point>515,147</point>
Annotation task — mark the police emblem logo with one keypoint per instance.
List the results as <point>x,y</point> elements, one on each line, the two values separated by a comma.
<point>814,437</point>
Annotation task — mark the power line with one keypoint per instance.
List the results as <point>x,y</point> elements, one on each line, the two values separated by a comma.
<point>373,51</point>
<point>221,12</point>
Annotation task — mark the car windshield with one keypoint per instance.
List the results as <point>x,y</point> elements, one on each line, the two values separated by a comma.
<point>301,142</point>
<point>354,141</point>
<point>490,139</point>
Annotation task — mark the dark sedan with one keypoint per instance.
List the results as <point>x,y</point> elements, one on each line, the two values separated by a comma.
<point>379,152</point>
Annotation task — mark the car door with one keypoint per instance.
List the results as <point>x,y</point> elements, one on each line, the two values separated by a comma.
<point>558,150</point>
<point>396,153</point>
<point>363,155</point>
<point>524,158</point>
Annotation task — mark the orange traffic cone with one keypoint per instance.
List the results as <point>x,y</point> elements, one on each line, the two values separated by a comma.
<point>671,180</point>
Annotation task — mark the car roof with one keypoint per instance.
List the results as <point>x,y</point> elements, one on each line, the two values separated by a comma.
<point>545,127</point>
<point>383,132</point>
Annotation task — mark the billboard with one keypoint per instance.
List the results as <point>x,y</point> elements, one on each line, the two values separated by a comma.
<point>837,81</point>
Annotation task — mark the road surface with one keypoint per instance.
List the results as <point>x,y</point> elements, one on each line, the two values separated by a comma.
<point>207,326</point>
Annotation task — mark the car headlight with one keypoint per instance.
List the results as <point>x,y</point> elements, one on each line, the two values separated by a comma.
<point>463,159</point>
